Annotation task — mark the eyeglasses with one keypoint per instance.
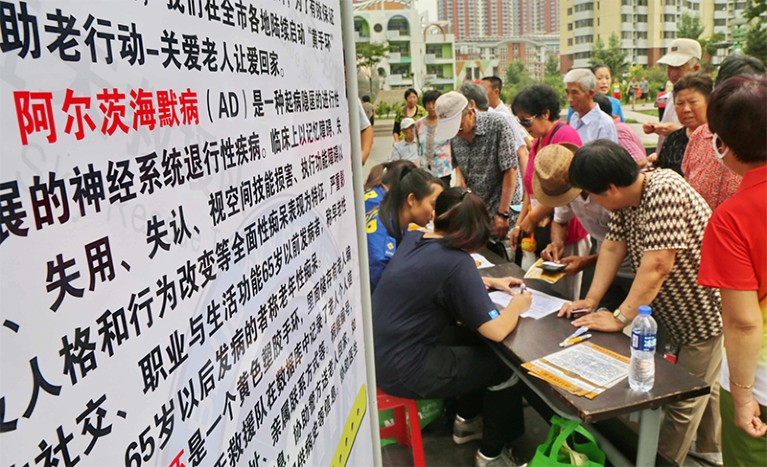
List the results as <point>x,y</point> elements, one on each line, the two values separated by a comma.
<point>717,151</point>
<point>527,122</point>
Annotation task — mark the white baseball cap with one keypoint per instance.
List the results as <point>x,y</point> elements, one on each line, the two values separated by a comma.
<point>681,51</point>
<point>449,108</point>
<point>406,122</point>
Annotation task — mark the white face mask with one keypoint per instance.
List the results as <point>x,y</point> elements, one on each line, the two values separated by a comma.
<point>719,155</point>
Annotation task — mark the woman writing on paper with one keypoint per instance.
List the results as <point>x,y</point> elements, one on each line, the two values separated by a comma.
<point>429,284</point>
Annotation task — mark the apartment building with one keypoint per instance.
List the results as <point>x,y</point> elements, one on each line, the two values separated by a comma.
<point>420,55</point>
<point>645,27</point>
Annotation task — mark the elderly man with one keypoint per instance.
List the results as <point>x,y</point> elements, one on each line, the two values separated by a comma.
<point>683,57</point>
<point>483,153</point>
<point>552,188</point>
<point>406,149</point>
<point>658,221</point>
<point>587,119</point>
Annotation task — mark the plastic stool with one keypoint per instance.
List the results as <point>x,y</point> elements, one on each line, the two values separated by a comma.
<point>399,430</point>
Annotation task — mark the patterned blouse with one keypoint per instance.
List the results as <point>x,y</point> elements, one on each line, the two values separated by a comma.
<point>715,182</point>
<point>435,155</point>
<point>672,216</point>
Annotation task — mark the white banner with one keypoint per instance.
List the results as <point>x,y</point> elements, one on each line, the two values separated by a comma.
<point>177,236</point>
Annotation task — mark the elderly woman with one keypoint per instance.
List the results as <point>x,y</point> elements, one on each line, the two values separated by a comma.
<point>734,259</point>
<point>435,154</point>
<point>690,96</point>
<point>537,109</point>
<point>411,110</point>
<point>715,182</point>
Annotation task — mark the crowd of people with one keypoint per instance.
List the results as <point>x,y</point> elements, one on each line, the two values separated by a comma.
<point>683,229</point>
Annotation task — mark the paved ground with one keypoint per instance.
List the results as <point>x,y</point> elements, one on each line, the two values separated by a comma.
<point>383,141</point>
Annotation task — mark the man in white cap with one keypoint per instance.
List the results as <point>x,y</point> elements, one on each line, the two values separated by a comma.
<point>683,57</point>
<point>406,149</point>
<point>482,147</point>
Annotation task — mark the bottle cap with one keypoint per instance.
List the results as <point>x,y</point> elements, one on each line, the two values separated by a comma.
<point>645,310</point>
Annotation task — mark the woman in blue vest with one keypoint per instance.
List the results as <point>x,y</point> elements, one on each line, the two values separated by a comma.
<point>410,200</point>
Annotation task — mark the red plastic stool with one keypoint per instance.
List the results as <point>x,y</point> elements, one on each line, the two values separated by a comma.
<point>399,430</point>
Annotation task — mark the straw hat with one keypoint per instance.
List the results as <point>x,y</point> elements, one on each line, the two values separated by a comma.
<point>551,178</point>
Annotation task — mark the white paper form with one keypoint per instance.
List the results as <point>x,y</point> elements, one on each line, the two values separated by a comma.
<point>480,261</point>
<point>543,304</point>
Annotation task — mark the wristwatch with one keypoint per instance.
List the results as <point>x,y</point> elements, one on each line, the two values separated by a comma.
<point>619,316</point>
<point>505,215</point>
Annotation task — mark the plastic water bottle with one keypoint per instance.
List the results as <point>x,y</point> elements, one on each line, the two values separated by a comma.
<point>644,331</point>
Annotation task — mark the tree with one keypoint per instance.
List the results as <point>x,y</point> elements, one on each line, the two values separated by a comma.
<point>756,36</point>
<point>689,27</point>
<point>552,65</point>
<point>370,54</point>
<point>613,56</point>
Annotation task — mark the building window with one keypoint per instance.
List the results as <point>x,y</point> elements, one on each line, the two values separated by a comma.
<point>627,35</point>
<point>625,18</point>
<point>642,18</point>
<point>720,22</point>
<point>669,34</point>
<point>570,41</point>
<point>669,18</point>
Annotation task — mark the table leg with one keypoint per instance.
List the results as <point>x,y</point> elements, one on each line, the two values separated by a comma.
<point>649,427</point>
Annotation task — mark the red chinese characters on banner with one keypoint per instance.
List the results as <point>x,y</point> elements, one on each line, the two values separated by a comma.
<point>163,108</point>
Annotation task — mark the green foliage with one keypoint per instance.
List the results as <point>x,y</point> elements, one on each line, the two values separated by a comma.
<point>517,78</point>
<point>369,54</point>
<point>613,55</point>
<point>756,42</point>
<point>756,36</point>
<point>689,27</point>
<point>383,109</point>
<point>552,65</point>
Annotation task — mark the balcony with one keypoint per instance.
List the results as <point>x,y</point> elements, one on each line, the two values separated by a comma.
<point>398,57</point>
<point>395,35</point>
<point>399,80</point>
<point>358,37</point>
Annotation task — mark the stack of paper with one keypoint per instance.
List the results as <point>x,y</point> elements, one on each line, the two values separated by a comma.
<point>583,370</point>
<point>543,304</point>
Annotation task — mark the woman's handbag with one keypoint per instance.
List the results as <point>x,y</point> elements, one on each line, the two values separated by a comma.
<point>568,444</point>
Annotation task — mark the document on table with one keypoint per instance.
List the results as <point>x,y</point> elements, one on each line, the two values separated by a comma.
<point>480,261</point>
<point>543,304</point>
<point>584,370</point>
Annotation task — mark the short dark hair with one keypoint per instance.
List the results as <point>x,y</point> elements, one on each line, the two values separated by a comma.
<point>537,99</point>
<point>694,82</point>
<point>431,96</point>
<point>463,219</point>
<point>410,91</point>
<point>739,64</point>
<point>736,112</point>
<point>406,180</point>
<point>365,98</point>
<point>495,82</point>
<point>604,103</point>
<point>602,163</point>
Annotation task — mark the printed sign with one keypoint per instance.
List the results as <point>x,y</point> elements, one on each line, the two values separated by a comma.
<point>180,281</point>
